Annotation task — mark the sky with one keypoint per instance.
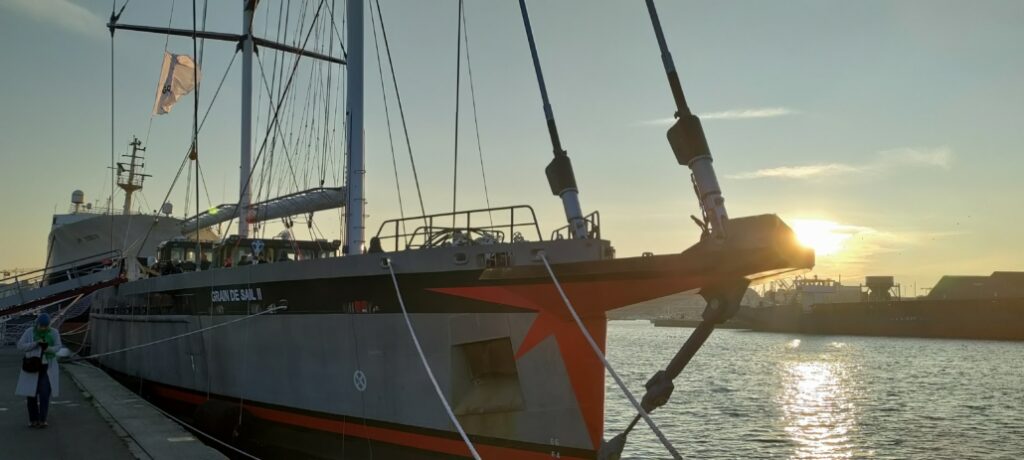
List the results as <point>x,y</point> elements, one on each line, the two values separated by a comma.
<point>888,133</point>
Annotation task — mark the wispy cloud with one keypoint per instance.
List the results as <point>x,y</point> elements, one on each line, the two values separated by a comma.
<point>940,157</point>
<point>61,13</point>
<point>732,114</point>
<point>742,114</point>
<point>798,172</point>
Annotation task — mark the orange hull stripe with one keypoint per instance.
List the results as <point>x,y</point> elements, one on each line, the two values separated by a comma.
<point>387,435</point>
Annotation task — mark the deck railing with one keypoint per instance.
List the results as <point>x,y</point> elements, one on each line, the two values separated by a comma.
<point>593,223</point>
<point>18,284</point>
<point>478,225</point>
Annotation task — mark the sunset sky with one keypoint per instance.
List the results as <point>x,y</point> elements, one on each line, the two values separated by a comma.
<point>888,133</point>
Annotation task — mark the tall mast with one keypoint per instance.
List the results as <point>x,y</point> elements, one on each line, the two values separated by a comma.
<point>245,166</point>
<point>356,169</point>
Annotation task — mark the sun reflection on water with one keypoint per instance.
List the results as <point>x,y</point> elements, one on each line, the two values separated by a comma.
<point>817,409</point>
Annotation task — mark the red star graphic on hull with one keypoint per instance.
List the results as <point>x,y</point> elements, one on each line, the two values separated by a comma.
<point>591,300</point>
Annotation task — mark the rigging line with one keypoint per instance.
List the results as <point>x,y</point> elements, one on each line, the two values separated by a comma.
<point>426,364</point>
<point>188,191</point>
<point>167,41</point>
<point>113,179</point>
<point>270,309</point>
<point>209,199</point>
<point>278,132</point>
<point>277,112</point>
<point>195,132</point>
<point>334,26</point>
<point>327,108</point>
<point>202,41</point>
<point>401,109</point>
<point>597,351</point>
<point>476,124</point>
<point>387,116</point>
<point>458,80</point>
<point>185,159</point>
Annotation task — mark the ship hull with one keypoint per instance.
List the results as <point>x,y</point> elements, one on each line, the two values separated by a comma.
<point>982,319</point>
<point>340,361</point>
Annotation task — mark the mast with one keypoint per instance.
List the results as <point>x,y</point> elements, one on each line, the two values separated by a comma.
<point>356,168</point>
<point>244,197</point>
<point>247,43</point>
<point>560,175</point>
<point>128,178</point>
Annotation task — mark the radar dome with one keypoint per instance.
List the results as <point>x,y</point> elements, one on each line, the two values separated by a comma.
<point>77,197</point>
<point>167,209</point>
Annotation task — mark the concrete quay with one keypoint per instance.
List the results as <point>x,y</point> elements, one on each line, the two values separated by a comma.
<point>94,417</point>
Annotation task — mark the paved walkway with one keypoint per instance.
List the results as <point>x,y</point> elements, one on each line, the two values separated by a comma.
<point>93,418</point>
<point>77,430</point>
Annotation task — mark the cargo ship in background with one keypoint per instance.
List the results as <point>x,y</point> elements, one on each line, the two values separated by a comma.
<point>958,307</point>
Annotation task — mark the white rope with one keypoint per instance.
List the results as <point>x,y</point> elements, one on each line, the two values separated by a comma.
<point>176,337</point>
<point>59,317</point>
<point>426,365</point>
<point>597,351</point>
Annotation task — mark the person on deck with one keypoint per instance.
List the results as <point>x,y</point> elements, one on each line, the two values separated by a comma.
<point>42,342</point>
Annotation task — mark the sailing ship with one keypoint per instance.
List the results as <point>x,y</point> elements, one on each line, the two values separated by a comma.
<point>289,348</point>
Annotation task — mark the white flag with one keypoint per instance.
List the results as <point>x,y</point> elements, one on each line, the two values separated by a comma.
<point>178,77</point>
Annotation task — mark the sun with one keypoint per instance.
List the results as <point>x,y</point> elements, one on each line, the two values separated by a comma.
<point>825,237</point>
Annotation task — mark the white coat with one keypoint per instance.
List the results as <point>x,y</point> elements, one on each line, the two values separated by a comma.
<point>27,380</point>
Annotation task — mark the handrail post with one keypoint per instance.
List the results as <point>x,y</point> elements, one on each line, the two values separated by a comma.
<point>21,297</point>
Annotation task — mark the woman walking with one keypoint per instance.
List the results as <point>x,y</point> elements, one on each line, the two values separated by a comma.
<point>40,377</point>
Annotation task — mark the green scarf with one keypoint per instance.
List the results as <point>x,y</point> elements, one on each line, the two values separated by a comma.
<point>46,335</point>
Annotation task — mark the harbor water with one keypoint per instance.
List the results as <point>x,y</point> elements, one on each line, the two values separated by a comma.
<point>765,395</point>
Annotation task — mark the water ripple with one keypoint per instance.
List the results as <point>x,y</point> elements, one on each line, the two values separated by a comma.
<point>760,395</point>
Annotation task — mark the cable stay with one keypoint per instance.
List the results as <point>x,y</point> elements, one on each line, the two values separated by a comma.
<point>270,309</point>
<point>458,80</point>
<point>600,355</point>
<point>426,364</point>
<point>401,109</point>
<point>559,172</point>
<point>387,118</point>
<point>273,119</point>
<point>476,122</point>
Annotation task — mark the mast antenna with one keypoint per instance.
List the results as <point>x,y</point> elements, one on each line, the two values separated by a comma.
<point>129,175</point>
<point>560,175</point>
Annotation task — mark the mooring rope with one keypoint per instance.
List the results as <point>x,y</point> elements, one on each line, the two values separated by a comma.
<point>426,365</point>
<point>176,337</point>
<point>597,351</point>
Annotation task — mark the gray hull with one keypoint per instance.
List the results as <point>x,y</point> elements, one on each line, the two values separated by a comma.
<point>349,362</point>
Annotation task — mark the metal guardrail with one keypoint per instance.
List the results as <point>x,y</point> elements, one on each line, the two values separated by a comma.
<point>22,282</point>
<point>593,223</point>
<point>452,227</point>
